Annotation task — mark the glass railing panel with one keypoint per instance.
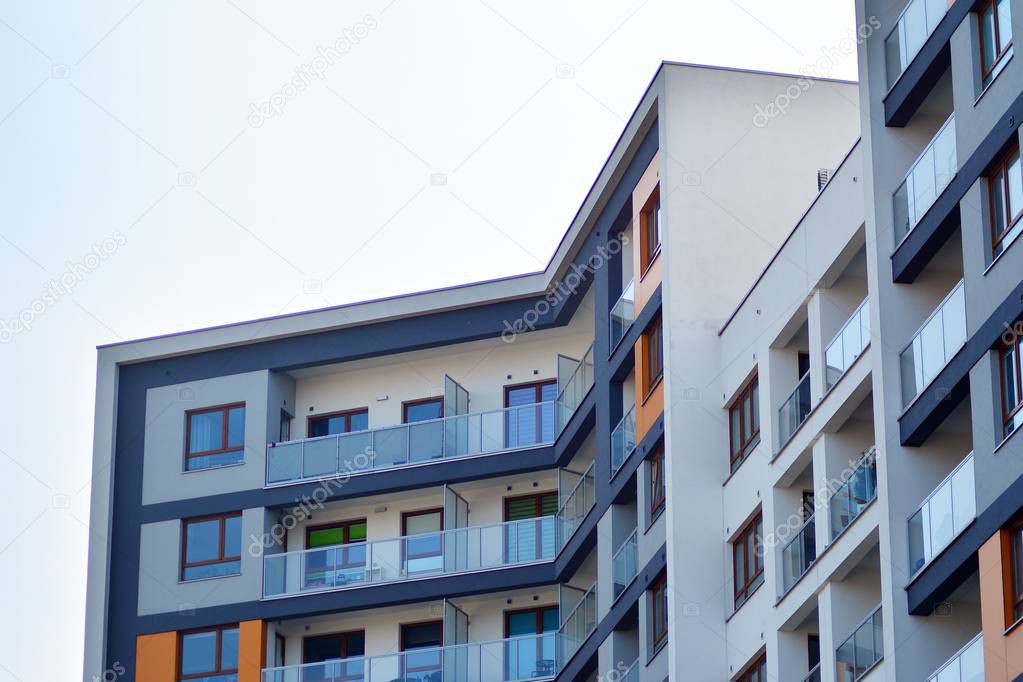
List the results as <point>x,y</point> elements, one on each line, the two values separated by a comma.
<point>926,180</point>
<point>853,496</point>
<point>814,675</point>
<point>624,565</point>
<point>623,440</point>
<point>577,504</point>
<point>622,314</point>
<point>862,650</point>
<point>946,512</point>
<point>966,666</point>
<point>516,659</point>
<point>915,25</point>
<point>847,345</point>
<point>455,550</point>
<point>937,341</point>
<point>578,624</point>
<point>630,675</point>
<point>509,429</point>
<point>794,411</point>
<point>575,389</point>
<point>798,554</point>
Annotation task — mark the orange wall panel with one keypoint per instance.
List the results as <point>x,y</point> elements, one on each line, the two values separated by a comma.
<point>646,282</point>
<point>156,657</point>
<point>649,403</point>
<point>1003,653</point>
<point>251,650</point>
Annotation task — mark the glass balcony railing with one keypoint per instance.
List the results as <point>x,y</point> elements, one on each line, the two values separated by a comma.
<point>949,509</point>
<point>863,650</point>
<point>624,565</point>
<point>577,504</point>
<point>516,659</point>
<point>848,344</point>
<point>456,550</point>
<point>623,440</point>
<point>798,555</point>
<point>575,389</point>
<point>794,411</point>
<point>966,666</point>
<point>578,624</point>
<point>630,675</point>
<point>937,341</point>
<point>853,496</point>
<point>929,175</point>
<point>814,675</point>
<point>463,435</point>
<point>622,314</point>
<point>915,25</point>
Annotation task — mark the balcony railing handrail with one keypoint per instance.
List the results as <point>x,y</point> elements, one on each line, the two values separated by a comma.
<point>799,384</point>
<point>937,488</point>
<point>625,290</point>
<point>410,652</point>
<point>845,325</point>
<point>587,354</point>
<point>632,408</point>
<point>814,670</point>
<point>934,313</point>
<point>955,656</point>
<point>863,461</point>
<point>625,543</point>
<point>799,531</point>
<point>928,147</point>
<point>591,592</point>
<point>869,617</point>
<point>588,473</point>
<point>417,536</point>
<point>615,342</point>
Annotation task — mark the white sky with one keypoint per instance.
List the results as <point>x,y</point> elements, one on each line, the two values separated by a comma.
<point>129,121</point>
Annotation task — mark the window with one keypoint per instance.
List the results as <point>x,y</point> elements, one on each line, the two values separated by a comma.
<point>344,549</point>
<point>338,422</point>
<point>284,432</point>
<point>210,655</point>
<point>744,422</point>
<point>323,648</point>
<point>211,546</point>
<point>530,541</point>
<point>427,636</point>
<point>1005,196</point>
<point>995,24</point>
<point>650,223</point>
<point>755,671</point>
<point>1012,387</point>
<point>654,341</point>
<point>530,425</point>
<point>422,410</point>
<point>530,649</point>
<point>658,613</point>
<point>1016,554</point>
<point>748,560</point>
<point>215,436</point>
<point>656,492</point>
<point>423,544</point>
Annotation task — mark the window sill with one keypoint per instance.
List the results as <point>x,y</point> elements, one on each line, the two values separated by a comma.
<point>650,263</point>
<point>182,581</point>
<point>656,649</point>
<point>1012,627</point>
<point>1006,440</point>
<point>998,69</point>
<point>748,599</point>
<point>653,387</point>
<point>654,518</point>
<point>1005,248</point>
<point>213,468</point>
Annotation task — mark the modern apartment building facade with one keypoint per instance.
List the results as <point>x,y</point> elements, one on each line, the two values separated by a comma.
<point>706,442</point>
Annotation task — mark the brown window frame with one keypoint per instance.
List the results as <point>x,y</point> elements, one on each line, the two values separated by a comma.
<point>219,650</point>
<point>405,516</point>
<point>739,452</point>
<point>656,504</point>
<point>347,414</point>
<point>346,527</point>
<point>987,73</point>
<point>226,409</point>
<point>222,559</point>
<point>650,251</point>
<point>1001,165</point>
<point>1009,412</point>
<point>658,626</point>
<point>420,401</point>
<point>748,533</point>
<point>651,376</point>
<point>402,649</point>
<point>357,673</point>
<point>1012,575</point>
<point>752,672</point>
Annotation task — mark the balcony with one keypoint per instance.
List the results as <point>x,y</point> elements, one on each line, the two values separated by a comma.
<point>937,341</point>
<point>853,496</point>
<point>929,175</point>
<point>798,555</point>
<point>966,666</point>
<point>623,440</point>
<point>848,344</point>
<point>915,25</point>
<point>794,411</point>
<point>575,389</point>
<point>624,566</point>
<point>456,550</point>
<point>814,675</point>
<point>578,624</point>
<point>946,512</point>
<point>518,659</point>
<point>863,649</point>
<point>577,505</point>
<point>623,314</point>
